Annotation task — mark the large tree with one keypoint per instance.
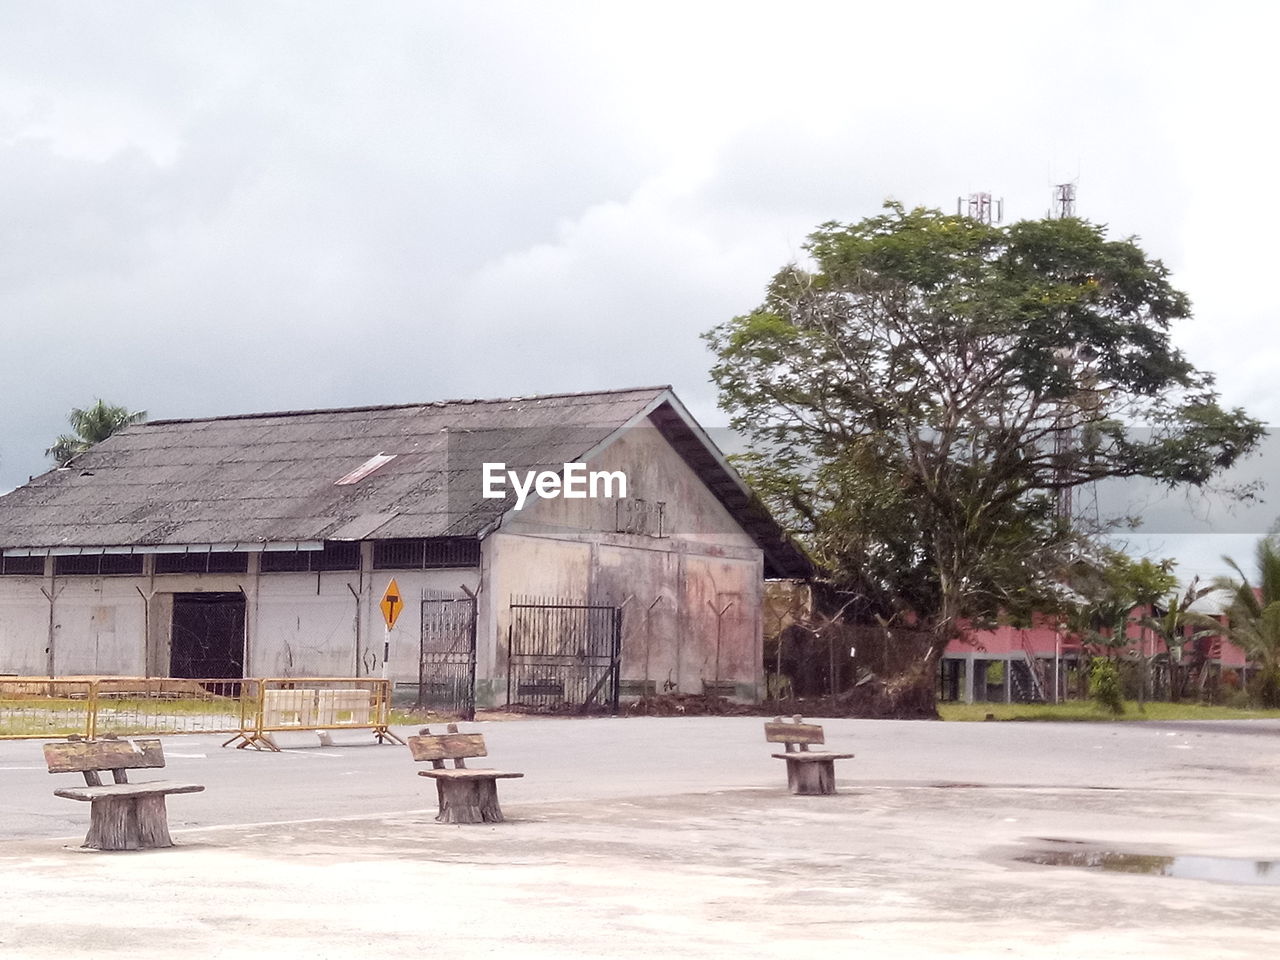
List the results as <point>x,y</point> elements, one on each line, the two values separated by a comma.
<point>919,394</point>
<point>92,425</point>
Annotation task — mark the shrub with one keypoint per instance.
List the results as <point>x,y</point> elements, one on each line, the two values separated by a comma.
<point>1237,699</point>
<point>1104,685</point>
<point>1264,688</point>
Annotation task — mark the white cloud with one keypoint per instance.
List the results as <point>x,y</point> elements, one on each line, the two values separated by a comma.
<point>212,208</point>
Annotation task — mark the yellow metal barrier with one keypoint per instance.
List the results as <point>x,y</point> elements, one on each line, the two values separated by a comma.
<point>252,709</point>
<point>133,706</point>
<point>320,704</point>
<point>36,708</point>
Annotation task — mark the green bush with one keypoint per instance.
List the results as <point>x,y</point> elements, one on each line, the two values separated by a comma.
<point>1104,685</point>
<point>1237,700</point>
<point>1264,688</point>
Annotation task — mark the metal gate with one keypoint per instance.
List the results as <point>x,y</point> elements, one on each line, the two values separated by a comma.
<point>447,656</point>
<point>561,652</point>
<point>207,635</point>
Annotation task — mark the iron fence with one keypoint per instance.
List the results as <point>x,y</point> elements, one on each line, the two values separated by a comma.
<point>563,652</point>
<point>447,656</point>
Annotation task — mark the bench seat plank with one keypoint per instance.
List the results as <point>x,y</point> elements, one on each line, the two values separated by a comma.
<point>154,787</point>
<point>467,773</point>
<point>811,756</point>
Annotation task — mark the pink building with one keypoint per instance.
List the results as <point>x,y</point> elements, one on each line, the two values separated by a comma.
<point>1037,662</point>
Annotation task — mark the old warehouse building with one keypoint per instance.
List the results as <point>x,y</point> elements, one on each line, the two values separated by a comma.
<point>260,546</point>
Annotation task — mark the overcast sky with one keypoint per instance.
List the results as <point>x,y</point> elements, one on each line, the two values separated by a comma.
<point>233,207</point>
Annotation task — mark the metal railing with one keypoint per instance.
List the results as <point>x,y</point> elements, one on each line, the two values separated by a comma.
<point>40,709</point>
<point>132,706</point>
<point>317,703</point>
<point>252,708</point>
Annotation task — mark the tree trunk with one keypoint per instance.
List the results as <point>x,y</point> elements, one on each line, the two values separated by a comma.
<point>468,801</point>
<point>913,695</point>
<point>128,823</point>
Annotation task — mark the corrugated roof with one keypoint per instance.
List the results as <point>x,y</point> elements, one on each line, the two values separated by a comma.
<point>271,477</point>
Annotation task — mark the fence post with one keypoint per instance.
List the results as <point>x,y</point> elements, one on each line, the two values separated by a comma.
<point>616,667</point>
<point>92,718</point>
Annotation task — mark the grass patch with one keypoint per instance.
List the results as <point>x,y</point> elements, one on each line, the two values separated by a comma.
<point>1087,711</point>
<point>413,716</point>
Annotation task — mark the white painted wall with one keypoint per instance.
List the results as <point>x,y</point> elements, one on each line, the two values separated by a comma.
<point>298,624</point>
<point>24,626</point>
<point>99,625</point>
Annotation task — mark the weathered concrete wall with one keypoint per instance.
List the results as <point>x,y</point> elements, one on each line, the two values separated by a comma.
<point>297,624</point>
<point>99,625</point>
<point>570,548</point>
<point>306,626</point>
<point>24,626</point>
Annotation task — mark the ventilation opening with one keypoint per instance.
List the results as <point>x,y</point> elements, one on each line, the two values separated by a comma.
<point>336,555</point>
<point>220,562</point>
<point>98,565</point>
<point>436,552</point>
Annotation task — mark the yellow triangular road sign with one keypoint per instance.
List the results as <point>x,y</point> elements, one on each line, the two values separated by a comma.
<point>392,603</point>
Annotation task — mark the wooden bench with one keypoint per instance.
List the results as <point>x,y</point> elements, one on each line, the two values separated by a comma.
<point>122,815</point>
<point>809,772</point>
<point>465,795</point>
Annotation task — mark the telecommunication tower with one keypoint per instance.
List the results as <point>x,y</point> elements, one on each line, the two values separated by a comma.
<point>1064,201</point>
<point>981,207</point>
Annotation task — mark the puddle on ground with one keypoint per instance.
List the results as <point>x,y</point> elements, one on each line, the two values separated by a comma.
<point>1213,869</point>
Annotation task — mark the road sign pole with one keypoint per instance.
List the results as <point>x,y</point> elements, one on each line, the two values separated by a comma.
<point>386,652</point>
<point>391,604</point>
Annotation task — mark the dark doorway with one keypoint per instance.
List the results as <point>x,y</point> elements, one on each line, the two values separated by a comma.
<point>208,636</point>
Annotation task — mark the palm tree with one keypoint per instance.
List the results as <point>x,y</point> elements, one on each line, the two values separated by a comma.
<point>92,425</point>
<point>1113,587</point>
<point>1255,615</point>
<point>1172,628</point>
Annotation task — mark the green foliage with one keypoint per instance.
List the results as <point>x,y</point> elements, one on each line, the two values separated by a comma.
<point>918,395</point>
<point>1254,611</point>
<point>1085,710</point>
<point>1180,626</point>
<point>91,425</point>
<point>1264,688</point>
<point>1107,587</point>
<point>1104,685</point>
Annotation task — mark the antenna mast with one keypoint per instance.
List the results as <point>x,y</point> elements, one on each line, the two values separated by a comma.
<point>981,207</point>
<point>1064,201</point>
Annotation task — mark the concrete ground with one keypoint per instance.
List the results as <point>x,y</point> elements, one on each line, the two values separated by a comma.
<point>631,838</point>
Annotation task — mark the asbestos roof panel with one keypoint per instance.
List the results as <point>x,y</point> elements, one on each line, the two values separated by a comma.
<point>272,476</point>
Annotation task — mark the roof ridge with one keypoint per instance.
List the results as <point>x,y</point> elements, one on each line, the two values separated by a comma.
<point>402,406</point>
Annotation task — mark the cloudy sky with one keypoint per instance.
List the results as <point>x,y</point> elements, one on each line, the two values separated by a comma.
<point>211,208</point>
